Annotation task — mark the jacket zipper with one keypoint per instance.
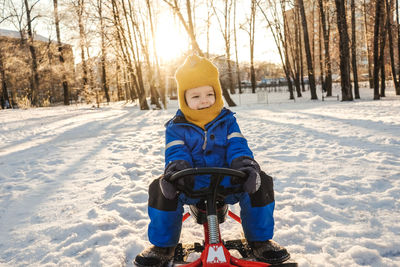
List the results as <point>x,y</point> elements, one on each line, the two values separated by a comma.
<point>205,141</point>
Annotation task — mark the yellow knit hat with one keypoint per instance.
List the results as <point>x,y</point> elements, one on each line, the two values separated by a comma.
<point>196,72</point>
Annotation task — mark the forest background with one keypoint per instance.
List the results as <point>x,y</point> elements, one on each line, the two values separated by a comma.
<point>65,51</point>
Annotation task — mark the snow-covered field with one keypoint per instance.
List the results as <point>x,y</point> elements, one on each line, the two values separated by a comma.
<point>73,180</point>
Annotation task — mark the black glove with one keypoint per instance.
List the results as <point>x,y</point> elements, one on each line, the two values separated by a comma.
<point>168,188</point>
<point>252,169</point>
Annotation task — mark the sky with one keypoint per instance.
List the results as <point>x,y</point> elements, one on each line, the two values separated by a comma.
<point>171,38</point>
<point>74,179</point>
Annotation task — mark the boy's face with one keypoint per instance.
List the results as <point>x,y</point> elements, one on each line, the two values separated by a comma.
<point>200,97</point>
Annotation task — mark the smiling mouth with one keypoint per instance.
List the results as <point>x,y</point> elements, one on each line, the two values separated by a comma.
<point>204,108</point>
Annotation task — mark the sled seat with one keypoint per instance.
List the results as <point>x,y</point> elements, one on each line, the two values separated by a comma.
<point>198,211</point>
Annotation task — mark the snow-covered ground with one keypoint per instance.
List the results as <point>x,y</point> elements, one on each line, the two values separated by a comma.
<point>73,180</point>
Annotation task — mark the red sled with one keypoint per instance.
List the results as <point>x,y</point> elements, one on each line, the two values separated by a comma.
<point>210,212</point>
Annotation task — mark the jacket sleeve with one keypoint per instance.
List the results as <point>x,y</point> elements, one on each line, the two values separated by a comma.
<point>236,143</point>
<point>175,146</point>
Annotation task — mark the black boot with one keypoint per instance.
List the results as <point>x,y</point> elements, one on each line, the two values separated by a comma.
<point>269,251</point>
<point>155,256</point>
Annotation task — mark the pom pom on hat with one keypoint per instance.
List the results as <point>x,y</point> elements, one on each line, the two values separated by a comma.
<point>196,72</point>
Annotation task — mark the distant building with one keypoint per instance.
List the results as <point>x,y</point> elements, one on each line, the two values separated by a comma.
<point>16,67</point>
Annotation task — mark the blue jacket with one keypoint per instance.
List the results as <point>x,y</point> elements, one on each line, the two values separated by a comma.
<point>216,146</point>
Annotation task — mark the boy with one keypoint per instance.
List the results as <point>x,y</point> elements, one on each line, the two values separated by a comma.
<point>204,134</point>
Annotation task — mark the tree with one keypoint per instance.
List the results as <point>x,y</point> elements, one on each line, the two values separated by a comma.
<point>311,77</point>
<point>389,25</point>
<point>367,43</point>
<point>344,51</point>
<point>292,47</point>
<point>279,33</point>
<point>225,29</point>
<point>124,48</point>
<point>239,83</point>
<point>252,31</point>
<point>354,50</point>
<point>157,65</point>
<point>61,53</point>
<point>188,25</point>
<point>4,99</point>
<point>209,4</point>
<point>377,30</point>
<point>133,42</point>
<point>33,96</point>
<point>381,61</point>
<point>79,8</point>
<point>141,33</point>
<point>327,61</point>
<point>398,42</point>
<point>104,84</point>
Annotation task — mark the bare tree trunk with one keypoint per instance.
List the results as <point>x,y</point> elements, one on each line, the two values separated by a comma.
<point>141,35</point>
<point>321,60</point>
<point>35,84</point>
<point>251,36</point>
<point>61,53</point>
<point>383,34</point>
<point>398,43</point>
<point>4,92</point>
<point>366,31</point>
<point>297,54</point>
<point>187,25</point>
<point>294,50</point>
<point>303,87</point>
<point>82,37</point>
<point>354,50</point>
<point>129,75</point>
<point>287,41</point>
<point>209,14</point>
<point>157,65</point>
<point>104,84</point>
<point>226,34</point>
<point>239,82</point>
<point>131,44</point>
<point>52,91</point>
<point>135,55</point>
<point>327,65</point>
<point>191,28</point>
<point>118,82</point>
<point>378,11</point>
<point>344,51</point>
<point>311,77</point>
<point>391,50</point>
<point>311,35</point>
<point>280,34</point>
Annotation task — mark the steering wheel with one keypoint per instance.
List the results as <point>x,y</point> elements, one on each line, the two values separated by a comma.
<point>214,189</point>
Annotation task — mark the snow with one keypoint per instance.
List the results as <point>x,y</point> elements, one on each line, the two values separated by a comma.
<point>73,180</point>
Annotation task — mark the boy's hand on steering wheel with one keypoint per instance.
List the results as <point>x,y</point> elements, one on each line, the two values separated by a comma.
<point>168,188</point>
<point>252,169</point>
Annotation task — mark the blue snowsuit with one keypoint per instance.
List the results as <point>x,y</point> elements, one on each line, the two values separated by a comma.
<point>216,146</point>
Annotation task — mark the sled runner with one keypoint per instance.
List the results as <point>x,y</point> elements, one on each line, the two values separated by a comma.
<point>210,212</point>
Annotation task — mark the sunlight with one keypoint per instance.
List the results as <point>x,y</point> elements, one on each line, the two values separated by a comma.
<point>171,41</point>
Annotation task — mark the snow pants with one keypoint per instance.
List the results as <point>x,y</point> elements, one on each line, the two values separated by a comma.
<point>166,215</point>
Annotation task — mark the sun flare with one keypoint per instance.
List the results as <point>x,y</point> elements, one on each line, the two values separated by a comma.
<point>170,41</point>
